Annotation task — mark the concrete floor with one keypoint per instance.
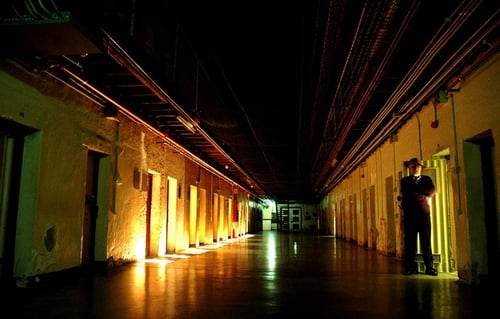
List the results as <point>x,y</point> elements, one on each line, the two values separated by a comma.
<point>267,275</point>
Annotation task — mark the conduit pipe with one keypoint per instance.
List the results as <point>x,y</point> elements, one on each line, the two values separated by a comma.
<point>77,88</point>
<point>176,146</point>
<point>424,60</point>
<point>409,107</point>
<point>353,159</point>
<point>453,62</point>
<point>353,118</point>
<point>122,57</point>
<point>457,161</point>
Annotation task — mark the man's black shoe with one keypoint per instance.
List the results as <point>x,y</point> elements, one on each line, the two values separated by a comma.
<point>410,271</point>
<point>431,272</point>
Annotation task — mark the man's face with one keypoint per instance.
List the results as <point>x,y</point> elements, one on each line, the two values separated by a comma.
<point>414,169</point>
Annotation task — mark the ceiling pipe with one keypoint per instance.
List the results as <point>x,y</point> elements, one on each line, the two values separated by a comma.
<point>78,88</point>
<point>346,126</point>
<point>121,56</point>
<point>353,158</point>
<point>176,146</point>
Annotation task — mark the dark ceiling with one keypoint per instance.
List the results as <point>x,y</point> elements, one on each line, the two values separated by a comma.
<point>285,97</point>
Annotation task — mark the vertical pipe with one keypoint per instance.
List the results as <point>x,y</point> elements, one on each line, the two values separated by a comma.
<point>419,136</point>
<point>116,174</point>
<point>457,162</point>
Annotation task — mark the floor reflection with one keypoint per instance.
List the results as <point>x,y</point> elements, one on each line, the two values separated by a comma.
<point>269,275</point>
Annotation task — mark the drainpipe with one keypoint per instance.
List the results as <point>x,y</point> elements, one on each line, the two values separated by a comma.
<point>457,161</point>
<point>116,175</point>
<point>419,135</point>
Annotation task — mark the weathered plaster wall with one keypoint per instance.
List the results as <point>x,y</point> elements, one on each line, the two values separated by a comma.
<point>472,110</point>
<point>63,121</point>
<point>66,126</point>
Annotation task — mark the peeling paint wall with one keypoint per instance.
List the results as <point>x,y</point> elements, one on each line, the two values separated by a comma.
<point>141,180</point>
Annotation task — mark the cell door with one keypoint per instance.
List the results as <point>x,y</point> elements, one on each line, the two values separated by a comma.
<point>91,209</point>
<point>9,188</point>
<point>13,147</point>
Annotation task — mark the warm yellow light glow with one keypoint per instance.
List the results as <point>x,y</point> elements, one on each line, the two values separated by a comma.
<point>160,261</point>
<point>139,277</point>
<point>140,245</point>
<point>213,246</point>
<point>162,245</point>
<point>187,253</point>
<point>188,125</point>
<point>176,256</point>
<point>193,251</point>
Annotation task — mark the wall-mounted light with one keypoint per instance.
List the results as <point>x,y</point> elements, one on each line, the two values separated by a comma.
<point>442,96</point>
<point>188,125</point>
<point>333,162</point>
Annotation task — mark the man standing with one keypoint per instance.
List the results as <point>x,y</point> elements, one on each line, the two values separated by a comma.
<point>417,191</point>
